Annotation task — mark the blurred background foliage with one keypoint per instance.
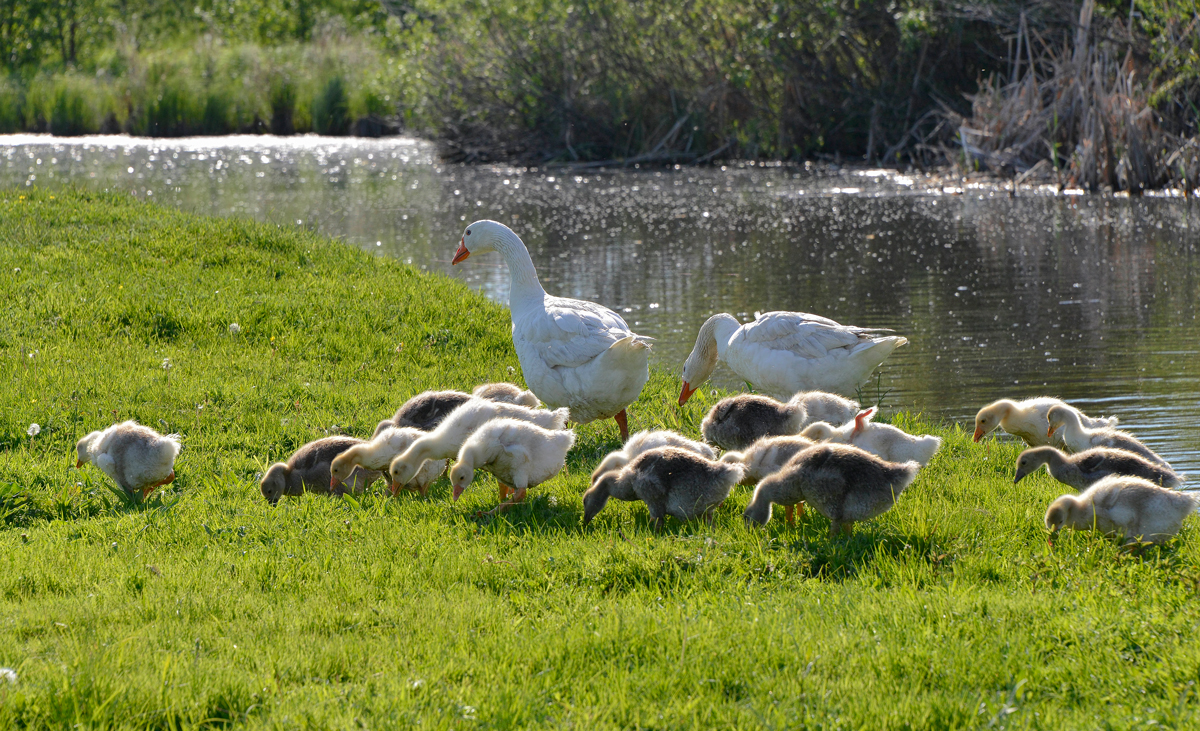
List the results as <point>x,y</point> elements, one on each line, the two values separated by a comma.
<point>891,81</point>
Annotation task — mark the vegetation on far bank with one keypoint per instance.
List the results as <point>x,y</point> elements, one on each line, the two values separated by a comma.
<point>207,607</point>
<point>1095,94</point>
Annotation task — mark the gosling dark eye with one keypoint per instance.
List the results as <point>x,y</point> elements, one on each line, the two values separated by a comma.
<point>468,232</point>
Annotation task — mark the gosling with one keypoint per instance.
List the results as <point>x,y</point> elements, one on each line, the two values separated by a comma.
<point>519,454</point>
<point>1083,469</point>
<point>308,470</point>
<point>1078,437</point>
<point>843,483</point>
<point>1132,507</point>
<point>739,421</point>
<point>136,457</point>
<point>1028,420</point>
<point>644,441</point>
<point>378,453</point>
<point>766,457</point>
<point>882,440</point>
<point>670,481</point>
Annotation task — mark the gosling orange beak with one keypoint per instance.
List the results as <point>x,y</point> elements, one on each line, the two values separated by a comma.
<point>78,463</point>
<point>686,393</point>
<point>395,488</point>
<point>978,434</point>
<point>1050,432</point>
<point>461,254</point>
<point>456,492</point>
<point>333,482</point>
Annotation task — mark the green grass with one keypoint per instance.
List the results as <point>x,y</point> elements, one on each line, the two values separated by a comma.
<point>205,607</point>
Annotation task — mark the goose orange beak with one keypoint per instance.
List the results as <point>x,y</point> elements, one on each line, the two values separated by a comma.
<point>461,254</point>
<point>686,393</point>
<point>456,492</point>
<point>978,434</point>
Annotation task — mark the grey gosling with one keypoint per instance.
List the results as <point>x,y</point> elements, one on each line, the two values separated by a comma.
<point>670,481</point>
<point>1082,469</point>
<point>1078,437</point>
<point>308,469</point>
<point>1121,505</point>
<point>739,421</point>
<point>843,483</point>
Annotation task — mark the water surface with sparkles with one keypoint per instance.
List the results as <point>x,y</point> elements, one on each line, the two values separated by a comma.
<point>1089,298</point>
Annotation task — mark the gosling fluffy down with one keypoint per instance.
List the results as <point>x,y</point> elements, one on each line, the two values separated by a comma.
<point>378,453</point>
<point>308,470</point>
<point>136,457</point>
<point>1120,505</point>
<point>1027,420</point>
<point>644,441</point>
<point>445,441</point>
<point>882,440</point>
<point>1089,466</point>
<point>767,456</point>
<point>426,410</point>
<point>843,483</point>
<point>671,481</point>
<point>739,421</point>
<point>519,454</point>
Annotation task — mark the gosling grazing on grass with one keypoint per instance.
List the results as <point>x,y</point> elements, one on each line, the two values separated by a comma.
<point>308,470</point>
<point>1028,419</point>
<point>426,410</point>
<point>739,421</point>
<point>1129,506</point>
<point>1078,437</point>
<point>644,441</point>
<point>136,457</point>
<point>445,441</point>
<point>843,483</point>
<point>767,456</point>
<point>378,453</point>
<point>882,440</point>
<point>1089,466</point>
<point>671,481</point>
<point>520,455</point>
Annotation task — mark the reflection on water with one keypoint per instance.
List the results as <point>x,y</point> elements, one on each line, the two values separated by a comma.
<point>1091,299</point>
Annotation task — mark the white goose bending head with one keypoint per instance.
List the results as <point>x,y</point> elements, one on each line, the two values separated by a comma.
<point>573,353</point>
<point>783,353</point>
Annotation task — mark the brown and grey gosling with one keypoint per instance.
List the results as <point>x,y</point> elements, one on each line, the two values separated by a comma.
<point>843,483</point>
<point>1121,505</point>
<point>308,470</point>
<point>738,421</point>
<point>1078,437</point>
<point>426,410</point>
<point>670,481</point>
<point>766,457</point>
<point>1082,469</point>
<point>136,457</point>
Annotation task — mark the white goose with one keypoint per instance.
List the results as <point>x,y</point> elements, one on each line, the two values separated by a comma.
<point>782,353</point>
<point>573,353</point>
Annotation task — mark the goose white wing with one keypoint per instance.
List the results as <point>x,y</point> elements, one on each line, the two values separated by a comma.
<point>571,333</point>
<point>808,335</point>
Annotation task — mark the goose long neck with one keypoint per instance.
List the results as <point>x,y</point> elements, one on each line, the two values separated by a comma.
<point>716,332</point>
<point>525,284</point>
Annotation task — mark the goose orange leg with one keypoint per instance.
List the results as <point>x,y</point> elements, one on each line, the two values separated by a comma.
<point>623,423</point>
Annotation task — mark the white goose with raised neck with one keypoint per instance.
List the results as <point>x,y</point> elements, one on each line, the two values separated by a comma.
<point>573,353</point>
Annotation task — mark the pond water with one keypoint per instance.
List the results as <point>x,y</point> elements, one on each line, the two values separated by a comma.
<point>1092,299</point>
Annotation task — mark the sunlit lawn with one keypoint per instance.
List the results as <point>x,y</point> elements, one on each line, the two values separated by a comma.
<point>207,607</point>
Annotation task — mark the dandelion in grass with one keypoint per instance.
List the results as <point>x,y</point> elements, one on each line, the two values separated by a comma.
<point>33,430</point>
<point>234,328</point>
<point>166,364</point>
<point>8,675</point>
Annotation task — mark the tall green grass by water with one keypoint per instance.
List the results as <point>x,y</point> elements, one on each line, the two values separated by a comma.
<point>205,607</point>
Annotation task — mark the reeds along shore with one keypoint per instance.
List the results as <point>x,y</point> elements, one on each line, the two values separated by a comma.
<point>1098,96</point>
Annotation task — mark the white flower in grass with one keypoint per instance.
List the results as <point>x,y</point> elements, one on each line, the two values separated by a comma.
<point>166,364</point>
<point>8,675</point>
<point>33,430</point>
<point>234,328</point>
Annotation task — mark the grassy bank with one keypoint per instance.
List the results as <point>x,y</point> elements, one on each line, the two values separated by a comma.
<point>205,607</point>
